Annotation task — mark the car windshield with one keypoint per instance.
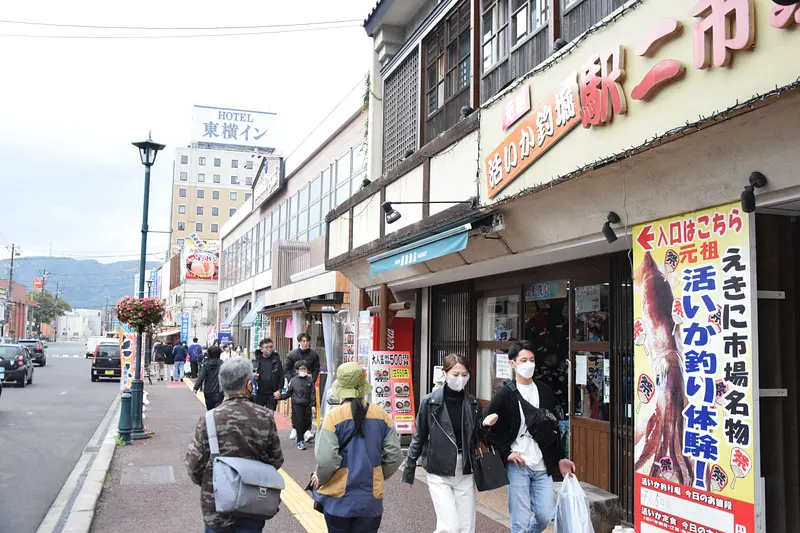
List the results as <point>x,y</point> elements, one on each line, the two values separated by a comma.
<point>108,350</point>
<point>29,343</point>
<point>8,351</point>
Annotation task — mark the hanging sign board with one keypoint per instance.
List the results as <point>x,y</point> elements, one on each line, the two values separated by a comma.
<point>393,388</point>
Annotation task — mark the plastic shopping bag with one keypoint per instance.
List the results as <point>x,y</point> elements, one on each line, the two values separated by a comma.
<point>572,508</point>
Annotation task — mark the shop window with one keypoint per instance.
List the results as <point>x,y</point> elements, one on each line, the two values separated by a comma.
<point>591,313</point>
<point>592,392</point>
<point>498,318</point>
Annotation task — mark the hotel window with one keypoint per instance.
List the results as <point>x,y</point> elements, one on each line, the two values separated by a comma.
<point>217,162</point>
<point>198,226</point>
<point>214,228</point>
<point>201,178</point>
<point>216,178</point>
<point>201,193</point>
<point>181,226</point>
<point>248,180</point>
<point>233,196</point>
<point>234,180</point>
<point>215,211</point>
<point>199,209</point>
<point>494,36</point>
<point>184,176</point>
<point>248,165</point>
<point>234,163</point>
<point>184,159</point>
<point>180,242</point>
<point>182,192</point>
<point>247,195</point>
<point>201,161</point>
<point>215,195</point>
<point>231,211</point>
<point>182,209</point>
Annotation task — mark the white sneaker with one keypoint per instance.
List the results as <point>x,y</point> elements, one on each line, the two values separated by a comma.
<point>293,434</point>
<point>308,436</point>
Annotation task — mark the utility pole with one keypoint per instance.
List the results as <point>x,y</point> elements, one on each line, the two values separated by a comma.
<point>10,299</point>
<point>105,317</point>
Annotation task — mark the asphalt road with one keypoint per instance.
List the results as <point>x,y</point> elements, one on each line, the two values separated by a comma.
<point>43,430</point>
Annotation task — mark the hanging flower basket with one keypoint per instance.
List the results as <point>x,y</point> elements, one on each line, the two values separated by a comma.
<point>140,314</point>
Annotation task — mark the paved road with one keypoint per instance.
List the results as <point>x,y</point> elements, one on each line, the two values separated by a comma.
<point>43,430</point>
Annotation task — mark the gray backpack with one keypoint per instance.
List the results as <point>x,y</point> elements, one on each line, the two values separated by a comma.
<point>242,487</point>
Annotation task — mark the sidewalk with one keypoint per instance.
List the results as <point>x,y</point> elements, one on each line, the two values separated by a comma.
<point>147,488</point>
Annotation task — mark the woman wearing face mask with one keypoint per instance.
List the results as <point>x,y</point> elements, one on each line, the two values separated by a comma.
<point>525,433</point>
<point>444,442</point>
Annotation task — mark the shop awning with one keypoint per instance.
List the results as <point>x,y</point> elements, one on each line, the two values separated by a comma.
<point>236,310</point>
<point>168,332</point>
<point>250,318</point>
<point>441,244</point>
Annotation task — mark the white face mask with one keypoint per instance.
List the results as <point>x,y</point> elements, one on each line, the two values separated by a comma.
<point>302,374</point>
<point>526,369</point>
<point>457,383</point>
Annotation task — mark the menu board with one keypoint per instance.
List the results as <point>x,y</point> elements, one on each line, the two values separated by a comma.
<point>393,388</point>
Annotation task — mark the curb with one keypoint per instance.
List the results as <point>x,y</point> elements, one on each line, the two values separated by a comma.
<point>73,509</point>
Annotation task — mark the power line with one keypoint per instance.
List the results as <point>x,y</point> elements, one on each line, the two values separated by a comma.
<point>189,36</point>
<point>186,28</point>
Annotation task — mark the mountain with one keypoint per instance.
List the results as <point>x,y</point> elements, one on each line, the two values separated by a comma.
<point>85,282</point>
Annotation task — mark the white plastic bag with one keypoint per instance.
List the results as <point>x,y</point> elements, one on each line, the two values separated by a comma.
<point>572,509</point>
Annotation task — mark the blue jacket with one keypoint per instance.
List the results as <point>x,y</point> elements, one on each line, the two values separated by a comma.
<point>180,353</point>
<point>195,352</point>
<point>350,486</point>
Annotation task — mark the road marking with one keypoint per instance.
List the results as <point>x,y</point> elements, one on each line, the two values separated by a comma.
<point>297,500</point>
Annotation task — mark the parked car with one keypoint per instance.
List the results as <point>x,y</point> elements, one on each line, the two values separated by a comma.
<point>6,340</point>
<point>106,362</point>
<point>37,350</point>
<point>16,363</point>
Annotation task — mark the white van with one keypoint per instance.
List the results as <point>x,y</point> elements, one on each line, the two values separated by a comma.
<point>91,344</point>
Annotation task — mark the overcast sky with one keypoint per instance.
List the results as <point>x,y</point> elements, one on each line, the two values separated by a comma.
<point>69,108</point>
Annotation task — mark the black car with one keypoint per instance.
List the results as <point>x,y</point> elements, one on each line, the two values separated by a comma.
<point>36,348</point>
<point>106,362</point>
<point>16,364</point>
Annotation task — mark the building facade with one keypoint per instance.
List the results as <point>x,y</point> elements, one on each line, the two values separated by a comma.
<point>589,161</point>
<point>15,310</point>
<point>79,324</point>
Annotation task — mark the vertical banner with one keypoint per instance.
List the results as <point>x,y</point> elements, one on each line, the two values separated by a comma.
<point>693,364</point>
<point>393,388</point>
<point>185,320</point>
<point>127,357</point>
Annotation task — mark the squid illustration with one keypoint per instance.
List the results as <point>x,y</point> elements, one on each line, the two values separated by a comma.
<point>662,440</point>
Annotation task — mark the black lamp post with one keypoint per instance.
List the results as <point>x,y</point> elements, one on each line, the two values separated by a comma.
<point>148,150</point>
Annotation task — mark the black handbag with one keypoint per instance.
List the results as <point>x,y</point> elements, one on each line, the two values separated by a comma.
<point>488,469</point>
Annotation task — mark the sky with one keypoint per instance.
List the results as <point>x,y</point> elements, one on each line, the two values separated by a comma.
<point>70,180</point>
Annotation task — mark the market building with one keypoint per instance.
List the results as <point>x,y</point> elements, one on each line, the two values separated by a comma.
<point>273,279</point>
<point>613,182</point>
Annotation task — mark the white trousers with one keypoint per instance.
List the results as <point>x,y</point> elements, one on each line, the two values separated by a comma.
<point>454,501</point>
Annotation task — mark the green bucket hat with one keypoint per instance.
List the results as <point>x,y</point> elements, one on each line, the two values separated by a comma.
<point>351,382</point>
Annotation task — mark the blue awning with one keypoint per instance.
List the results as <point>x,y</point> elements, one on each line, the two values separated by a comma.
<point>250,318</point>
<point>445,243</point>
<point>236,310</point>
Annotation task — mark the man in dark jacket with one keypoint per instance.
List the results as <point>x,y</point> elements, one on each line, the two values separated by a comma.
<point>195,357</point>
<point>269,374</point>
<point>520,417</point>
<point>303,353</point>
<point>159,357</point>
<point>169,361</point>
<point>208,379</point>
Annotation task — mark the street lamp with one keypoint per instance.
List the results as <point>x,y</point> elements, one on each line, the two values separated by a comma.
<point>148,150</point>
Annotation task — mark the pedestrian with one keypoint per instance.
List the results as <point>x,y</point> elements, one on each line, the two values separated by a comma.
<point>244,430</point>
<point>357,449</point>
<point>524,430</point>
<point>181,354</point>
<point>445,439</point>
<point>302,353</point>
<point>301,391</point>
<point>159,356</point>
<point>208,380</point>
<point>169,361</point>
<point>226,352</point>
<point>269,374</point>
<point>195,357</point>
<point>239,351</point>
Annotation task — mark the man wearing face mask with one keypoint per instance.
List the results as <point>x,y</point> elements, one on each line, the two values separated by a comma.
<point>443,443</point>
<point>525,433</point>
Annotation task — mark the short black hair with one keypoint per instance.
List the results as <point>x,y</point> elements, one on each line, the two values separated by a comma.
<point>214,352</point>
<point>303,336</point>
<point>300,364</point>
<point>264,341</point>
<point>194,339</point>
<point>517,347</point>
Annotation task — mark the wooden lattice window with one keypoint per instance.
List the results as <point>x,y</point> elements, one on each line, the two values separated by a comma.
<point>447,58</point>
<point>400,111</point>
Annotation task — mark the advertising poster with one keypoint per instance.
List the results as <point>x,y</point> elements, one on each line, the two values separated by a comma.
<point>393,389</point>
<point>201,259</point>
<point>127,357</point>
<point>693,315</point>
<point>350,343</point>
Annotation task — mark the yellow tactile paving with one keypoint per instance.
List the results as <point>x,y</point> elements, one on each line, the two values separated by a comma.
<point>296,500</point>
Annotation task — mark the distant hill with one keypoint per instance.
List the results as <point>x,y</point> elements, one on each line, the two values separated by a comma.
<point>86,282</point>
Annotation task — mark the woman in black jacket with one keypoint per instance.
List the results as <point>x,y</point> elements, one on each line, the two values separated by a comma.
<point>209,379</point>
<point>444,440</point>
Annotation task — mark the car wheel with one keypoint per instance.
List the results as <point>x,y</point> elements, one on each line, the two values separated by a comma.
<point>94,379</point>
<point>44,361</point>
<point>30,379</point>
<point>21,383</point>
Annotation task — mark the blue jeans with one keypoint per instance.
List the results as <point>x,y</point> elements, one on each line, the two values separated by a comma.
<point>531,502</point>
<point>360,524</point>
<point>242,525</point>
<point>177,373</point>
